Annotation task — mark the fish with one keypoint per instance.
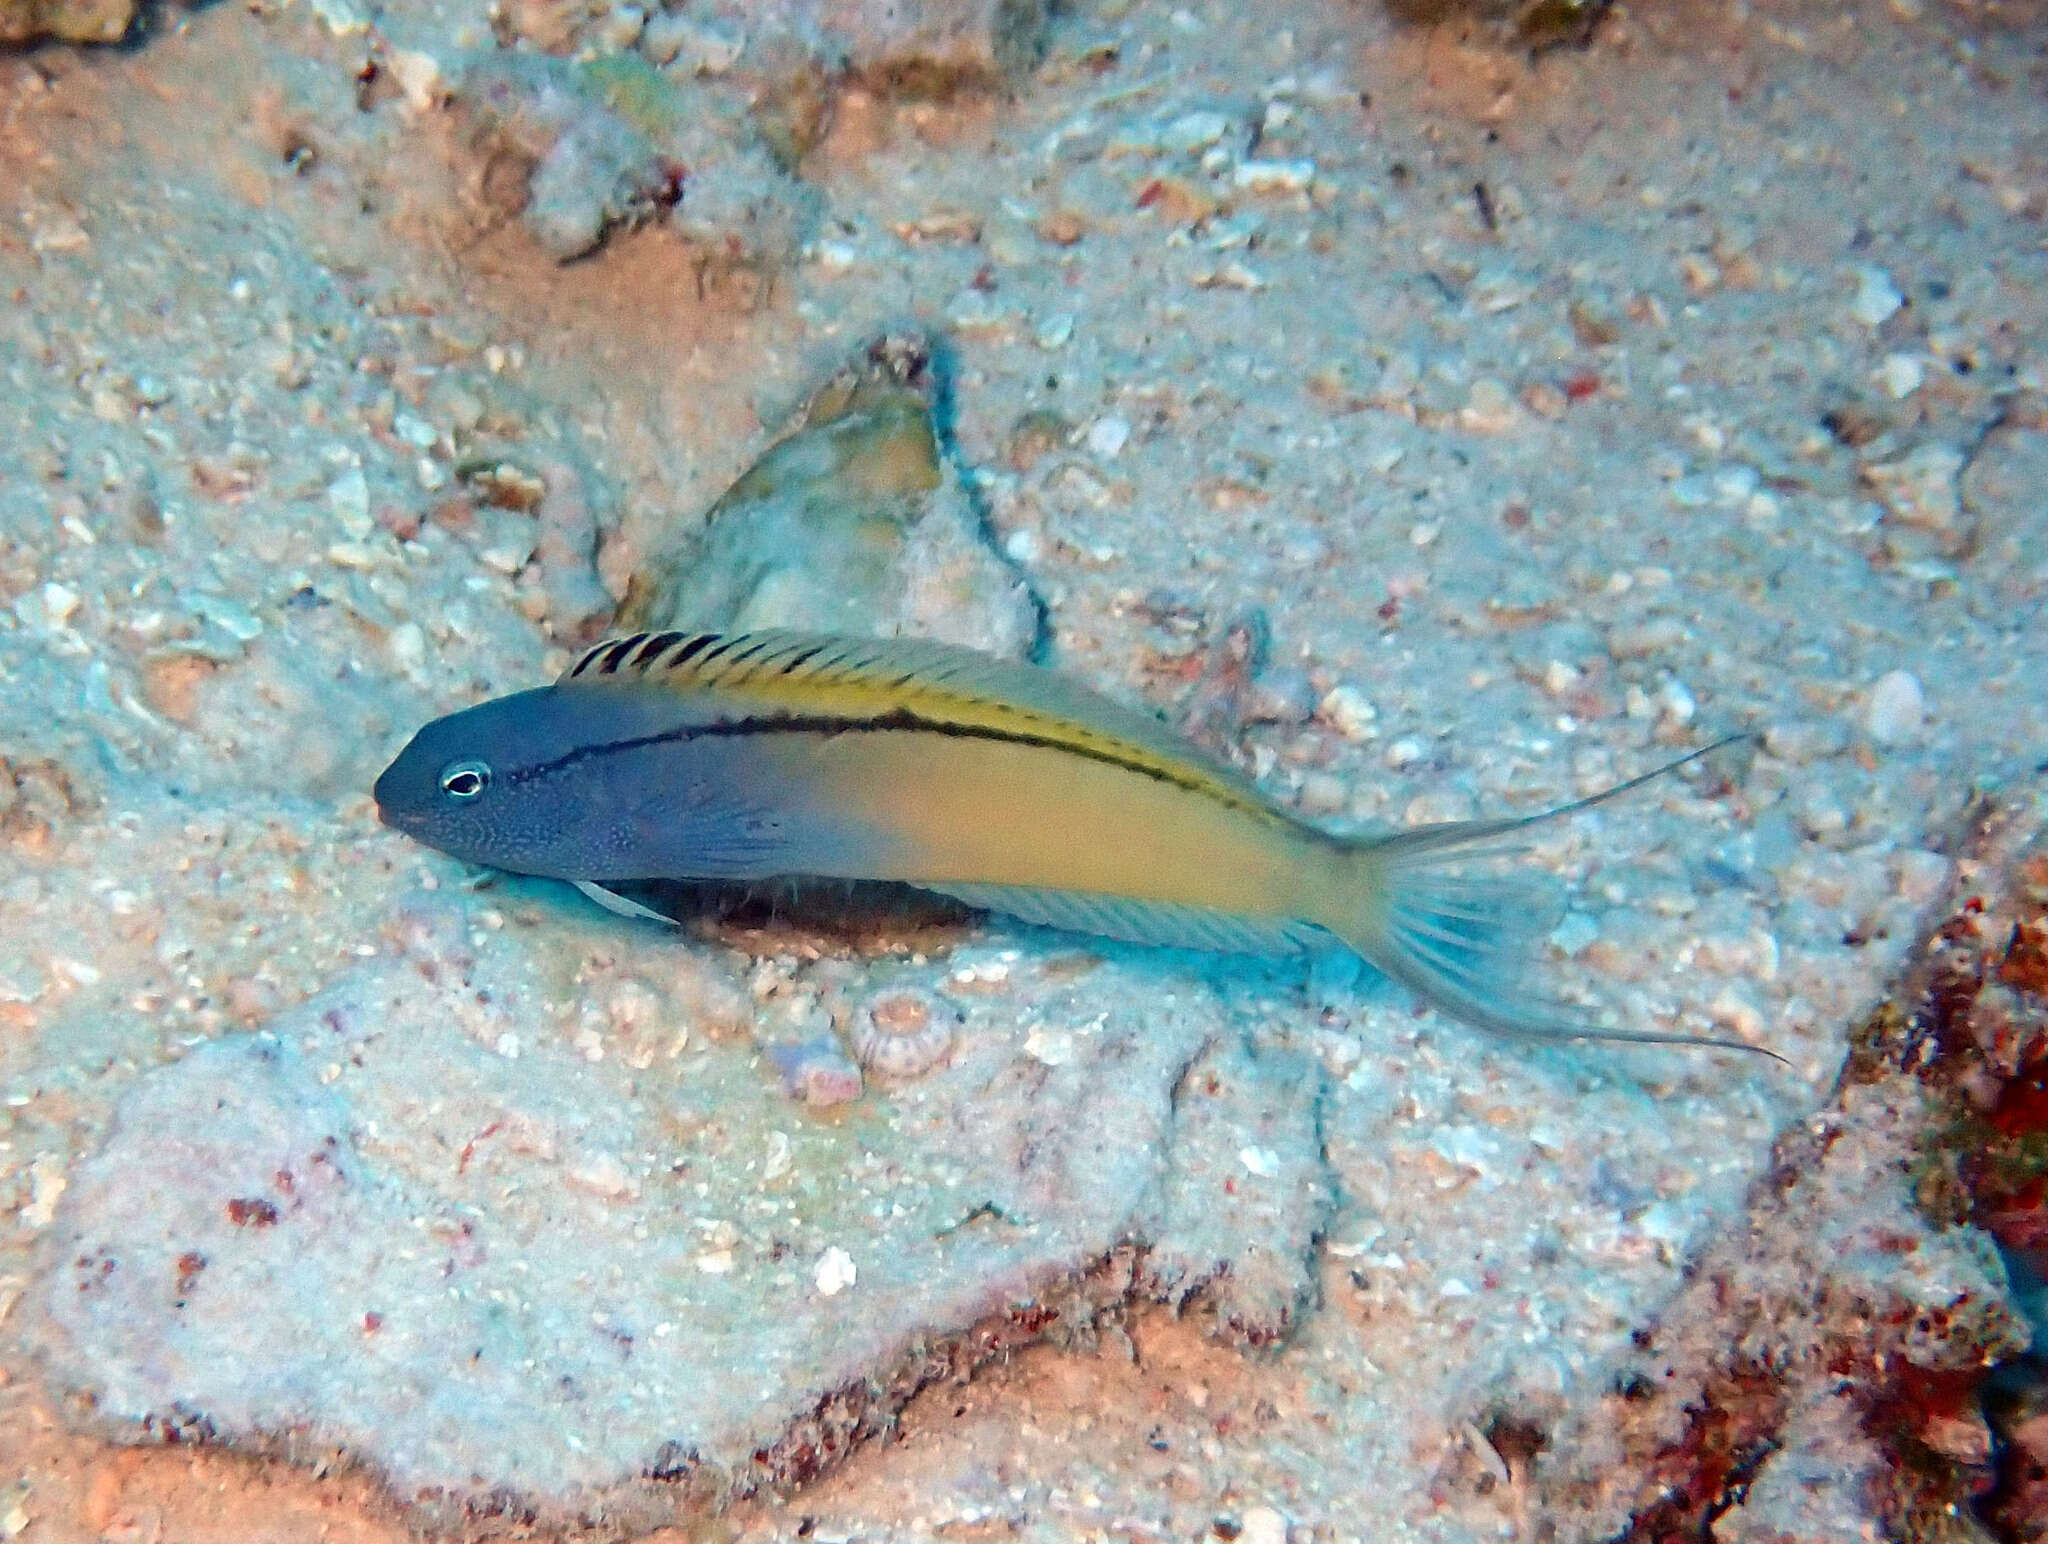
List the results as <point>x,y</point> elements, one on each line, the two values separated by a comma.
<point>786,754</point>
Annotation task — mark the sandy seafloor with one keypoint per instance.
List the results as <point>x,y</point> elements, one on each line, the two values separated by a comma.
<point>1559,496</point>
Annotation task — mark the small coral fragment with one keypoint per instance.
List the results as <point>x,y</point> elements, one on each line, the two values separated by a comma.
<point>902,1034</point>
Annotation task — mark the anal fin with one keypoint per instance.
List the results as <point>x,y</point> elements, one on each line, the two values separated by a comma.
<point>1161,923</point>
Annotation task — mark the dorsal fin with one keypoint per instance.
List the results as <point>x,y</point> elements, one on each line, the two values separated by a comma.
<point>942,684</point>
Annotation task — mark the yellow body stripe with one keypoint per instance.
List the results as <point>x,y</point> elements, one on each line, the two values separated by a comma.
<point>939,686</point>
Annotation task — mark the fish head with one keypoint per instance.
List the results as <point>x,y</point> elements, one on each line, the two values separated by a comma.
<point>501,784</point>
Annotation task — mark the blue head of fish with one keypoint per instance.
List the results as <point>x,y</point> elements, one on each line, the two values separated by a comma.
<point>500,784</point>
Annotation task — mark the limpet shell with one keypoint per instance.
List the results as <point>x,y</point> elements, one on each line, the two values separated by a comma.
<point>903,1033</point>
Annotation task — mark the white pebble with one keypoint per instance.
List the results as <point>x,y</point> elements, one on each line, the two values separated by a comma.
<point>408,647</point>
<point>1055,330</point>
<point>1877,298</point>
<point>1734,484</point>
<point>60,603</point>
<point>604,1175</point>
<point>1108,436</point>
<point>1261,1525</point>
<point>47,1183</point>
<point>1896,709</point>
<point>1274,176</point>
<point>1194,131</point>
<point>1489,408</point>
<point>1261,1161</point>
<point>349,497</point>
<point>1901,374</point>
<point>1804,741</point>
<point>1237,276</point>
<point>1677,702</point>
<point>1053,1047</point>
<point>781,1156</point>
<point>1821,814</point>
<point>835,1273</point>
<point>419,77</point>
<point>1346,710</point>
<point>835,256</point>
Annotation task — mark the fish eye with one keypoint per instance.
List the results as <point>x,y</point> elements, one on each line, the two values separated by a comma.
<point>465,779</point>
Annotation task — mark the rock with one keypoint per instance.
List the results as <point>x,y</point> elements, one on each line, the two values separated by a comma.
<point>1347,710</point>
<point>1818,1483</point>
<point>1811,1334</point>
<point>594,145</point>
<point>1922,499</point>
<point>69,21</point>
<point>568,1287</point>
<point>1246,1192</point>
<point>855,521</point>
<point>566,550</point>
<point>2001,487</point>
<point>924,47</point>
<point>1920,487</point>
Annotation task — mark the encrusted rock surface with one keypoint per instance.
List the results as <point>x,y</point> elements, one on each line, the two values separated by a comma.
<point>615,1273</point>
<point>1819,1376</point>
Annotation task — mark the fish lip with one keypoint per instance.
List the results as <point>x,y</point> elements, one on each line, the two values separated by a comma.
<point>400,819</point>
<point>397,819</point>
<point>385,797</point>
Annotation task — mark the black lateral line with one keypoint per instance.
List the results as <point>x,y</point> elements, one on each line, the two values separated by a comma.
<point>897,720</point>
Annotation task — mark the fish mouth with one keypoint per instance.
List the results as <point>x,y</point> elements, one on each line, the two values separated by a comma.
<point>390,809</point>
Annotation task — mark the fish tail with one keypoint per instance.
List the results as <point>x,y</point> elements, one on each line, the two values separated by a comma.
<point>1463,942</point>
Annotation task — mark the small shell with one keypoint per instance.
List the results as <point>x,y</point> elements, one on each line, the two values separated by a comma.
<point>903,1033</point>
<point>816,1073</point>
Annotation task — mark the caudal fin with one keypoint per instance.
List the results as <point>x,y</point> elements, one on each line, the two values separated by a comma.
<point>1463,943</point>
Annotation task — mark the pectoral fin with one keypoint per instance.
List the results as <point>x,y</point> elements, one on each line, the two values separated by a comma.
<point>613,901</point>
